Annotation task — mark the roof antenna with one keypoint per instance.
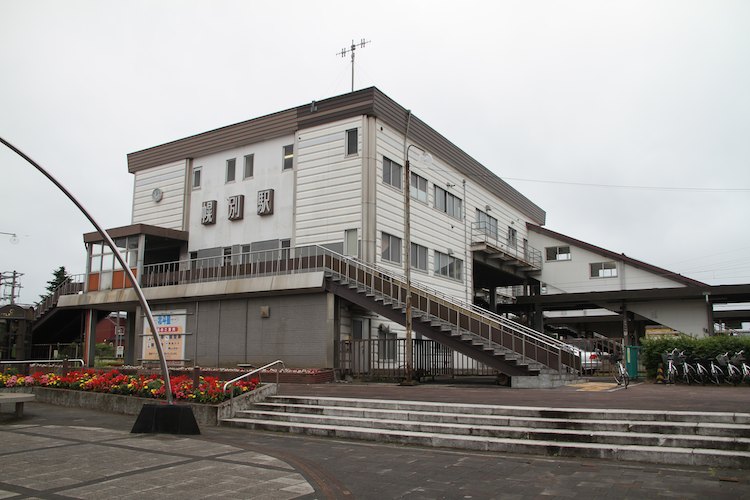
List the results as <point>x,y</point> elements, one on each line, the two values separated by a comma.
<point>351,50</point>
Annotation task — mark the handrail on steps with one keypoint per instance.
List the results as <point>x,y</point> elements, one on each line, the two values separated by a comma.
<point>252,372</point>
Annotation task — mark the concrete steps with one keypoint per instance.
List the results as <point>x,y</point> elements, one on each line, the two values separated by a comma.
<point>684,438</point>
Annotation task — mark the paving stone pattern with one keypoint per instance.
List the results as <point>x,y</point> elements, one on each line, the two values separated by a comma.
<point>57,453</point>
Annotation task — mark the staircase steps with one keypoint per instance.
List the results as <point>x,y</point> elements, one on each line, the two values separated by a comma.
<point>685,438</point>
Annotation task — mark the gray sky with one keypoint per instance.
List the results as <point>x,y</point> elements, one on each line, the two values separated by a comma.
<point>638,93</point>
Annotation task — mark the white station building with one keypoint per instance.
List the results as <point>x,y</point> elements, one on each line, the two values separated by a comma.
<point>281,236</point>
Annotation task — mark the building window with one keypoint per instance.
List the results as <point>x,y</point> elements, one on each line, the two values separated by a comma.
<point>286,246</point>
<point>448,203</point>
<point>418,187</point>
<point>197,178</point>
<point>351,245</point>
<point>558,253</point>
<point>603,270</point>
<point>512,237</point>
<point>245,254</point>
<point>418,257</point>
<point>249,166</point>
<point>386,343</point>
<point>487,224</point>
<point>391,248</point>
<point>447,265</point>
<point>392,173</point>
<point>351,142</point>
<point>231,167</point>
<point>288,157</point>
<point>227,256</point>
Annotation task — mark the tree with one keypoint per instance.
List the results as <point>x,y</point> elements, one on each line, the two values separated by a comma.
<point>59,276</point>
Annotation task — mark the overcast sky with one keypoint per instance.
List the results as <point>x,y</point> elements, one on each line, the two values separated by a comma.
<point>560,98</point>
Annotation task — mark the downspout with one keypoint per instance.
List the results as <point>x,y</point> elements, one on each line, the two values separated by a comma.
<point>466,254</point>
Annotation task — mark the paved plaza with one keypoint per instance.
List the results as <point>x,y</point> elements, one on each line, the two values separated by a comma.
<point>54,452</point>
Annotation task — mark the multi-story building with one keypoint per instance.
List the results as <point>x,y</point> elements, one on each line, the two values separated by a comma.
<point>252,241</point>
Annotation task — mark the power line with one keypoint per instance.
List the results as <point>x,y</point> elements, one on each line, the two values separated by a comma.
<point>624,186</point>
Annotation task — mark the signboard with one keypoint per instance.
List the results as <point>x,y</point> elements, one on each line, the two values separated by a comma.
<point>236,205</point>
<point>170,327</point>
<point>265,202</point>
<point>208,212</point>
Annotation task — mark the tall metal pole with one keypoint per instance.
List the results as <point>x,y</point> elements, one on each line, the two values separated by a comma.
<point>120,259</point>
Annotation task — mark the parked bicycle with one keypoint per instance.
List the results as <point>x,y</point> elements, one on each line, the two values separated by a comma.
<point>688,371</point>
<point>734,374</point>
<point>717,375</point>
<point>620,373</point>
<point>670,376</point>
<point>739,360</point>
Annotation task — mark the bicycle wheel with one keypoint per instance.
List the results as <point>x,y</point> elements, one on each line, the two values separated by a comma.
<point>717,375</point>
<point>687,376</point>
<point>625,378</point>
<point>701,375</point>
<point>670,375</point>
<point>734,377</point>
<point>618,375</point>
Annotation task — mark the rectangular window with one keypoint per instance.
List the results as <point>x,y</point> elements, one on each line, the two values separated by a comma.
<point>249,166</point>
<point>197,178</point>
<point>447,265</point>
<point>288,157</point>
<point>286,246</point>
<point>386,343</point>
<point>418,187</point>
<point>231,167</point>
<point>245,250</point>
<point>512,237</point>
<point>227,256</point>
<point>390,248</point>
<point>351,142</point>
<point>603,270</point>
<point>392,173</point>
<point>487,224</point>
<point>448,203</point>
<point>418,257</point>
<point>557,253</point>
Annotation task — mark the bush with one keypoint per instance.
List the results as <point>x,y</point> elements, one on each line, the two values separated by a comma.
<point>705,348</point>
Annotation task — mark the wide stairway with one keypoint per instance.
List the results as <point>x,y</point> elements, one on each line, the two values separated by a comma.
<point>677,437</point>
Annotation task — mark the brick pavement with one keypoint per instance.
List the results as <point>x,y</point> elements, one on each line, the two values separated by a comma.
<point>55,452</point>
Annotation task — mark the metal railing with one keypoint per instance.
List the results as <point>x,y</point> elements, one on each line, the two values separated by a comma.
<point>482,232</point>
<point>385,359</point>
<point>56,351</point>
<point>252,372</point>
<point>500,332</point>
<point>40,361</point>
<point>71,286</point>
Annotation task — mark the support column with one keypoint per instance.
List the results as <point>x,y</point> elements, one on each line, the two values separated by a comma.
<point>89,338</point>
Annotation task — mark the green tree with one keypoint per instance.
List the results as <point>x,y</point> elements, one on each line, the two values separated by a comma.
<point>59,276</point>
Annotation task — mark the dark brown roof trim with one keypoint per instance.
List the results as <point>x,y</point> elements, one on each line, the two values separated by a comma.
<point>369,102</point>
<point>619,256</point>
<point>136,229</point>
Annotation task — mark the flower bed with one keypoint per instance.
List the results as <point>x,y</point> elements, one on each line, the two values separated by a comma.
<point>208,390</point>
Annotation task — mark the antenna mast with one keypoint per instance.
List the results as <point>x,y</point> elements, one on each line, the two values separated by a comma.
<point>351,50</point>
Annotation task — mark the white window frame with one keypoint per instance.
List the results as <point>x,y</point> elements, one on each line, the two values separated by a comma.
<point>603,269</point>
<point>388,170</point>
<point>231,168</point>
<point>196,177</point>
<point>558,253</point>
<point>487,224</point>
<point>448,203</point>
<point>287,157</point>
<point>448,266</point>
<point>390,248</point>
<point>249,164</point>
<point>416,190</point>
<point>351,139</point>
<point>418,257</point>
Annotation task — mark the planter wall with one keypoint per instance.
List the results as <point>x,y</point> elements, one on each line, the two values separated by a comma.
<point>129,405</point>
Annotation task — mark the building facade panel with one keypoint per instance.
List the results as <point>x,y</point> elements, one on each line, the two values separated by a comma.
<point>159,196</point>
<point>328,184</point>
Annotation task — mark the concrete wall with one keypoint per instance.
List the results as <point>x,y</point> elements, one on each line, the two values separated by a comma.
<point>299,330</point>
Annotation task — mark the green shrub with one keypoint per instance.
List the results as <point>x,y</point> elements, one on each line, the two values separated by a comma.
<point>705,348</point>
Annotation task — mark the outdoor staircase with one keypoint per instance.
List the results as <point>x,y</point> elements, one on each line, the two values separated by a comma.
<point>677,437</point>
<point>504,345</point>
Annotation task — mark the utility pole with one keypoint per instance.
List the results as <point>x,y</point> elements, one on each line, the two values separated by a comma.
<point>10,281</point>
<point>351,50</point>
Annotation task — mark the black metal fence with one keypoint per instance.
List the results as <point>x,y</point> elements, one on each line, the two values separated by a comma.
<point>56,351</point>
<point>385,359</point>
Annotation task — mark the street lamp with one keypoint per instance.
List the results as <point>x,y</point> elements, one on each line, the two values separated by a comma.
<point>407,257</point>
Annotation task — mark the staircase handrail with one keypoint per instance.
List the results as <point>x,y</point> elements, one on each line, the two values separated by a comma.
<point>524,330</point>
<point>251,372</point>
